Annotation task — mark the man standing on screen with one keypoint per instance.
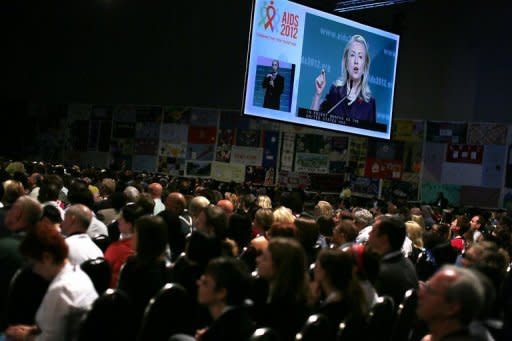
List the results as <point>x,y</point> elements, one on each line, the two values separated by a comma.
<point>274,85</point>
<point>350,96</point>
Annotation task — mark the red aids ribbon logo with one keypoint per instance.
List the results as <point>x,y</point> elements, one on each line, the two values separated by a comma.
<point>271,13</point>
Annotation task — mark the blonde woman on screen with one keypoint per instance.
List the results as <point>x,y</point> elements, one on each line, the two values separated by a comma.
<point>350,96</point>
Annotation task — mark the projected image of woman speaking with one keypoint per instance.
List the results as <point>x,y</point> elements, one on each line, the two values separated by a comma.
<point>349,96</point>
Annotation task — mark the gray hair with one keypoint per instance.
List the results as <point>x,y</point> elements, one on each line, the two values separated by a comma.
<point>197,204</point>
<point>467,290</point>
<point>131,193</point>
<point>82,213</point>
<point>363,216</point>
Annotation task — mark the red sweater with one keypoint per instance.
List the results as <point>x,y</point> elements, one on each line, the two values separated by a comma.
<point>116,254</point>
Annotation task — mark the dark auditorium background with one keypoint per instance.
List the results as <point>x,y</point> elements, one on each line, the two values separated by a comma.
<point>454,57</point>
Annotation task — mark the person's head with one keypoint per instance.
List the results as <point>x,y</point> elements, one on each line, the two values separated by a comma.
<point>452,295</point>
<point>79,193</point>
<point>129,214</point>
<point>131,193</point>
<point>325,225</point>
<point>307,231</point>
<point>476,222</point>
<point>414,232</point>
<point>460,225</point>
<point>175,203</point>
<point>45,249</point>
<point>227,206</point>
<point>288,230</point>
<point>419,220</point>
<point>283,265</point>
<point>334,267</point>
<point>283,215</point>
<point>344,232</point>
<point>275,65</point>
<point>263,219</point>
<point>387,235</point>
<point>356,64</point>
<point>224,281</point>
<point>155,189</point>
<point>362,218</point>
<point>146,201</point>
<point>12,191</point>
<point>107,187</point>
<point>24,214</point>
<point>213,221</point>
<point>323,208</point>
<point>196,206</point>
<point>150,239</point>
<point>76,219</point>
<point>50,188</point>
<point>52,215</point>
<point>264,201</point>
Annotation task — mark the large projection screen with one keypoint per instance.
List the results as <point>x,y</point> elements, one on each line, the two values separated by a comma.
<point>312,68</point>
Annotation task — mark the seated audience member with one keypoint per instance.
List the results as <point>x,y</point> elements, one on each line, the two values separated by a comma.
<point>449,302</point>
<point>79,193</point>
<point>492,262</point>
<point>344,234</point>
<point>239,229</point>
<point>222,289</point>
<point>176,203</point>
<point>415,234</point>
<point>325,227</point>
<point>52,215</point>
<point>21,217</point>
<point>195,207</point>
<point>363,220</point>
<point>227,206</point>
<point>307,232</point>
<point>397,273</point>
<point>155,190</point>
<point>213,222</point>
<point>118,252</point>
<point>146,272</point>
<point>366,264</point>
<point>344,297</point>
<point>109,215</point>
<point>263,219</point>
<point>264,201</point>
<point>74,226</point>
<point>70,293</point>
<point>323,208</point>
<point>283,215</point>
<point>283,266</point>
<point>462,235</point>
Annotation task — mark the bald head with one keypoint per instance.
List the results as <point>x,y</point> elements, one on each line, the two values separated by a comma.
<point>155,189</point>
<point>175,203</point>
<point>77,219</point>
<point>226,205</point>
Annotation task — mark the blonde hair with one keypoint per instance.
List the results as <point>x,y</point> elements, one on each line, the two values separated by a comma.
<point>323,208</point>
<point>283,215</point>
<point>263,201</point>
<point>418,219</point>
<point>414,232</point>
<point>365,88</point>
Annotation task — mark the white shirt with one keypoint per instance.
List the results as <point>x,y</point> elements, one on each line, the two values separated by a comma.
<point>82,248</point>
<point>159,206</point>
<point>364,234</point>
<point>96,227</point>
<point>70,294</point>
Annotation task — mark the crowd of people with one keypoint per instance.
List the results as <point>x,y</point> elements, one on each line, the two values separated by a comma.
<point>248,256</point>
